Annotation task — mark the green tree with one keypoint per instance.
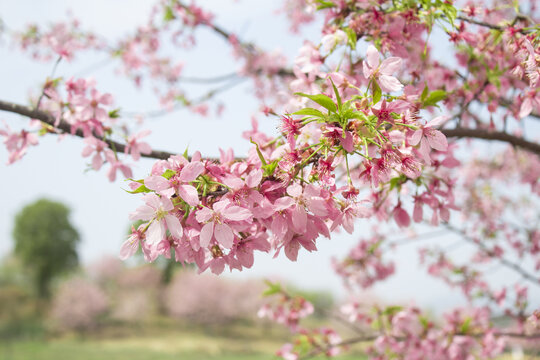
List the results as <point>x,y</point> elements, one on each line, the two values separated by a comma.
<point>46,242</point>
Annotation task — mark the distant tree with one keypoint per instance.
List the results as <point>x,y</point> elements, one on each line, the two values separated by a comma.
<point>46,242</point>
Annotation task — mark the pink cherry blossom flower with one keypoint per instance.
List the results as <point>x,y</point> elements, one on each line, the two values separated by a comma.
<point>131,245</point>
<point>156,210</point>
<point>97,146</point>
<point>90,108</point>
<point>300,199</point>
<point>17,143</point>
<point>429,137</point>
<point>136,147</point>
<point>373,68</point>
<point>330,41</point>
<point>178,183</point>
<point>217,222</point>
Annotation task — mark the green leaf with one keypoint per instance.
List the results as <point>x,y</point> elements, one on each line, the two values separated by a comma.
<point>168,174</point>
<point>273,288</point>
<point>450,12</point>
<point>351,37</point>
<point>140,189</point>
<point>466,326</point>
<point>425,93</point>
<point>185,154</point>
<point>269,169</point>
<point>325,4</point>
<point>114,114</point>
<point>434,97</point>
<point>309,112</point>
<point>169,14</point>
<point>261,157</point>
<point>338,98</point>
<point>320,99</point>
<point>377,92</point>
<point>392,310</point>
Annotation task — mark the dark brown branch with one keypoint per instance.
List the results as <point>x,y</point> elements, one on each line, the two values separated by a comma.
<point>64,127</point>
<point>492,26</point>
<point>364,338</point>
<point>493,135</point>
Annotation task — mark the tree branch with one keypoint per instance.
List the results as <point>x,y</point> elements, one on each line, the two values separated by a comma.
<point>66,128</point>
<point>492,26</point>
<point>511,265</point>
<point>364,338</point>
<point>493,135</point>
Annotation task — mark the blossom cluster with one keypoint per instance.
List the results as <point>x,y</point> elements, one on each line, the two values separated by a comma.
<point>218,214</point>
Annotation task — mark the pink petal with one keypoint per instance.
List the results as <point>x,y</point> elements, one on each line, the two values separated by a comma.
<point>126,171</point>
<point>437,140</point>
<point>206,234</point>
<point>418,214</point>
<point>143,212</point>
<point>152,200</point>
<point>347,143</point>
<point>129,248</point>
<point>424,150</point>
<point>167,204</point>
<point>189,194</point>
<point>203,215</point>
<point>526,108</point>
<point>291,250</point>
<point>144,148</point>
<point>416,137</point>
<point>191,171</point>
<point>254,178</point>
<point>317,206</point>
<point>97,161</point>
<point>224,235</point>
<point>366,70</point>
<point>299,219</point>
<point>372,56</point>
<point>174,226</point>
<point>294,190</point>
<point>155,232</point>
<point>279,227</point>
<point>390,65</point>
<point>156,183</point>
<point>236,213</point>
<point>436,122</point>
<point>283,203</point>
<point>389,83</point>
<point>86,151</point>
<point>402,217</point>
<point>221,205</point>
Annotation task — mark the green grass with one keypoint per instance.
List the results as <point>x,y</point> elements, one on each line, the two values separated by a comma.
<point>161,340</point>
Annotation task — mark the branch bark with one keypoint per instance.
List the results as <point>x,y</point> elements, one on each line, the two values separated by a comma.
<point>493,135</point>
<point>64,127</point>
<point>365,338</point>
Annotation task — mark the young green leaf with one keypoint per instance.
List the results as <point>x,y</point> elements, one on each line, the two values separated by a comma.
<point>309,112</point>
<point>338,98</point>
<point>261,157</point>
<point>377,92</point>
<point>320,99</point>
<point>434,97</point>
<point>168,174</point>
<point>273,288</point>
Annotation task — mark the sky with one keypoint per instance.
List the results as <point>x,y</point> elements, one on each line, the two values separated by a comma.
<point>56,170</point>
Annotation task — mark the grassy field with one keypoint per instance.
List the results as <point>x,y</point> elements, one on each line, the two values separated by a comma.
<point>161,341</point>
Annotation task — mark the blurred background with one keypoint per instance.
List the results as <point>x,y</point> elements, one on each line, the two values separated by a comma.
<point>84,303</point>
